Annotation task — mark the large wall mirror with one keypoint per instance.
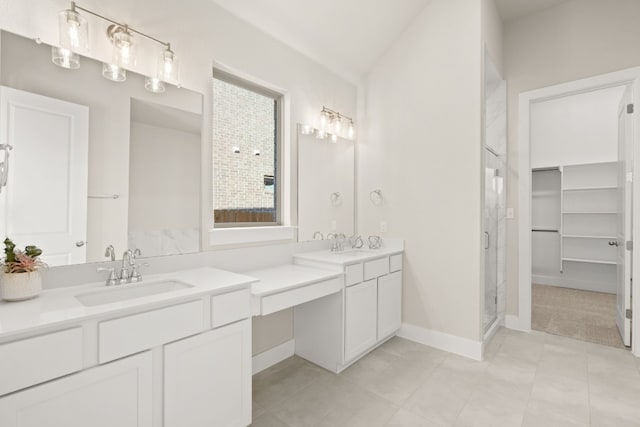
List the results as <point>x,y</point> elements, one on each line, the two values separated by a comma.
<point>94,162</point>
<point>326,187</point>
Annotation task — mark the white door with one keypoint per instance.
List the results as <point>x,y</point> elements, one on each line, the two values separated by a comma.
<point>361,305</point>
<point>44,202</point>
<point>389,304</point>
<point>116,394</point>
<point>623,234</point>
<point>208,379</point>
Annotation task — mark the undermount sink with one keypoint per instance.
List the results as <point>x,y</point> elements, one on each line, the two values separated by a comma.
<point>353,253</point>
<point>129,292</point>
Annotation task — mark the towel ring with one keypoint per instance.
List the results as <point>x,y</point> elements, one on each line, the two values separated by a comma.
<point>376,197</point>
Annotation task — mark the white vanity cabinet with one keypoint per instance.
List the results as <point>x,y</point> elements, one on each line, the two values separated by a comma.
<point>337,330</point>
<point>183,362</point>
<point>361,307</point>
<point>207,379</point>
<point>116,394</point>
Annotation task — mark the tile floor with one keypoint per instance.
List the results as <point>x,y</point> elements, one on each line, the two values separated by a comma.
<point>528,380</point>
<point>583,315</point>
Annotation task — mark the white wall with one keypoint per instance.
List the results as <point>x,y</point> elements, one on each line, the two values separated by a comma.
<point>201,32</point>
<point>422,147</point>
<point>576,129</point>
<point>576,39</point>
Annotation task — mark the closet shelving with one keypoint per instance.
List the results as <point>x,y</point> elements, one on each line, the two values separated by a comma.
<point>588,213</point>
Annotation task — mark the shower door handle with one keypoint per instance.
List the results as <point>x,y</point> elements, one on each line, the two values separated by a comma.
<point>486,240</point>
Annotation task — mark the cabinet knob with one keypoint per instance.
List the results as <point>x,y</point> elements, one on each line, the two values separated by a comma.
<point>80,243</point>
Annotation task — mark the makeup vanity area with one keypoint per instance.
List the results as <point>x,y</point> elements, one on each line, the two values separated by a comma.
<point>174,350</point>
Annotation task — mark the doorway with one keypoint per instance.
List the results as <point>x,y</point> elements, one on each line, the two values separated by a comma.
<point>576,203</point>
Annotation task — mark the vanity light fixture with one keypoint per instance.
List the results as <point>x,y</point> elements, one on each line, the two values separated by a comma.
<point>74,40</point>
<point>331,122</point>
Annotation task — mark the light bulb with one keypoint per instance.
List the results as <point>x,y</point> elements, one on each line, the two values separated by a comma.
<point>65,58</point>
<point>114,73</point>
<point>351,130</point>
<point>334,138</point>
<point>306,129</point>
<point>154,84</point>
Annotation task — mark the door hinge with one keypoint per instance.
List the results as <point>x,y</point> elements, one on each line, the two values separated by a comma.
<point>629,245</point>
<point>629,314</point>
<point>495,300</point>
<point>629,108</point>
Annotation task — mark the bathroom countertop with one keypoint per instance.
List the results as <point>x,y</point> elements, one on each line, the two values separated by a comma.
<point>286,277</point>
<point>58,307</point>
<point>348,256</point>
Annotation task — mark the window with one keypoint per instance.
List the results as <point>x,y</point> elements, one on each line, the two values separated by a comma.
<point>246,153</point>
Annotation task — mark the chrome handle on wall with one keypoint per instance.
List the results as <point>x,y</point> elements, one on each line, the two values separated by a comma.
<point>614,243</point>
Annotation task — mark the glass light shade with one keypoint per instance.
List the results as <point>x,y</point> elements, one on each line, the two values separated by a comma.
<point>124,48</point>
<point>351,130</point>
<point>336,125</point>
<point>114,73</point>
<point>306,129</point>
<point>64,58</point>
<point>73,31</point>
<point>334,138</point>
<point>324,120</point>
<point>168,66</point>
<point>154,84</point>
<point>321,134</point>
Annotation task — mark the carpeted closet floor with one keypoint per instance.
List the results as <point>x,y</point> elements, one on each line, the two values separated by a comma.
<point>583,315</point>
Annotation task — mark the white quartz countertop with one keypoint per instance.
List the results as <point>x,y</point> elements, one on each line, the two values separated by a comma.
<point>58,307</point>
<point>286,277</point>
<point>346,257</point>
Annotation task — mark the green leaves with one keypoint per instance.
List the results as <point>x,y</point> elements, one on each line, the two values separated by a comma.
<point>17,261</point>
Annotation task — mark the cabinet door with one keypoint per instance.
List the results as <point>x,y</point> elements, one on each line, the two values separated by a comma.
<point>389,304</point>
<point>208,379</point>
<point>360,318</point>
<point>116,394</point>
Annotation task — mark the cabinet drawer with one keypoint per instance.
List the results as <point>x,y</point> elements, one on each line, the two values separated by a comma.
<point>230,307</point>
<point>353,274</point>
<point>132,334</point>
<point>376,268</point>
<point>395,263</point>
<point>276,302</point>
<point>35,360</point>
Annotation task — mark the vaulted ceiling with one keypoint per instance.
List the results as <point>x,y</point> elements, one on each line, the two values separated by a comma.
<point>348,36</point>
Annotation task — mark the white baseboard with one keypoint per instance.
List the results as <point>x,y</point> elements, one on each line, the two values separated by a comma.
<point>274,355</point>
<point>585,285</point>
<point>513,322</point>
<point>451,343</point>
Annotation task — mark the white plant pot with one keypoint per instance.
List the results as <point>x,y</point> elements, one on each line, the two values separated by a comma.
<point>20,286</point>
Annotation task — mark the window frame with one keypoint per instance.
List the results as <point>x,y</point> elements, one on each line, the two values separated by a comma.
<point>280,122</point>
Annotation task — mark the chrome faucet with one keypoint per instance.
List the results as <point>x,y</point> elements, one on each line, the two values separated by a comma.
<point>110,252</point>
<point>112,280</point>
<point>127,261</point>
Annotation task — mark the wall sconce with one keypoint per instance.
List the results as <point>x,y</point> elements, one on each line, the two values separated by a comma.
<point>74,40</point>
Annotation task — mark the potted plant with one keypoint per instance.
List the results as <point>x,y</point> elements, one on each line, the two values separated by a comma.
<point>20,279</point>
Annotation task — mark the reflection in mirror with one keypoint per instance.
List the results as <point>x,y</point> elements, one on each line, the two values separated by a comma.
<point>78,139</point>
<point>325,187</point>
